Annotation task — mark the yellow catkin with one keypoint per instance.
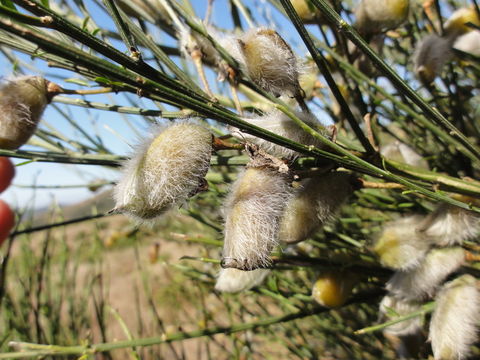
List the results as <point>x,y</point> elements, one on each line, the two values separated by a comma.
<point>270,62</point>
<point>314,204</point>
<point>376,16</point>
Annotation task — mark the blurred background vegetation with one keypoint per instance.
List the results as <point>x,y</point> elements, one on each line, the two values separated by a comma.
<point>76,275</point>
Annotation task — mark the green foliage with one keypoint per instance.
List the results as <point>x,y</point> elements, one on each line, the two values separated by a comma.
<point>60,284</point>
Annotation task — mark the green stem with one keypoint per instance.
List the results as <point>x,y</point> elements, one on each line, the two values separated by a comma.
<point>32,350</point>
<point>425,309</point>
<point>323,67</point>
<point>123,109</point>
<point>63,223</point>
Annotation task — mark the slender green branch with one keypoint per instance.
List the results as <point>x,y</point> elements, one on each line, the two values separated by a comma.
<point>92,185</point>
<point>124,109</point>
<point>27,350</point>
<point>468,148</point>
<point>62,223</point>
<point>425,309</point>
<point>323,67</point>
<point>123,28</point>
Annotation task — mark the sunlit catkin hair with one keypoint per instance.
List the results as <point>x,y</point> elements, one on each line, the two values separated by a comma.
<point>22,102</point>
<point>280,124</point>
<point>422,281</point>
<point>392,308</point>
<point>455,320</point>
<point>313,204</point>
<point>234,280</point>
<point>164,171</point>
<point>450,225</point>
<point>252,215</point>
<point>270,62</point>
<point>469,43</point>
<point>400,245</point>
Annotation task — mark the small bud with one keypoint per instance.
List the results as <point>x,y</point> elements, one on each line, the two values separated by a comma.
<point>270,62</point>
<point>392,308</point>
<point>400,246</point>
<point>332,289</point>
<point>457,22</point>
<point>314,204</point>
<point>376,16</point>
<point>422,281</point>
<point>450,225</point>
<point>191,42</point>
<point>234,280</point>
<point>453,328</point>
<point>469,43</point>
<point>430,55</point>
<point>252,215</point>
<point>280,124</point>
<point>22,102</point>
<point>164,171</point>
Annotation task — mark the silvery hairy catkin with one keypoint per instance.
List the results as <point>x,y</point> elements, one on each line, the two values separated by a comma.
<point>455,320</point>
<point>22,102</point>
<point>234,280</point>
<point>391,308</point>
<point>270,62</point>
<point>422,281</point>
<point>165,170</point>
<point>280,124</point>
<point>313,204</point>
<point>450,225</point>
<point>252,216</point>
<point>400,245</point>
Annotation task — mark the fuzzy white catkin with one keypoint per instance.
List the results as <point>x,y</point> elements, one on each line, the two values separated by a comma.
<point>392,308</point>
<point>234,280</point>
<point>270,62</point>
<point>400,245</point>
<point>430,55</point>
<point>455,320</point>
<point>422,281</point>
<point>165,170</point>
<point>313,204</point>
<point>450,225</point>
<point>469,43</point>
<point>22,102</point>
<point>280,124</point>
<point>253,210</point>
